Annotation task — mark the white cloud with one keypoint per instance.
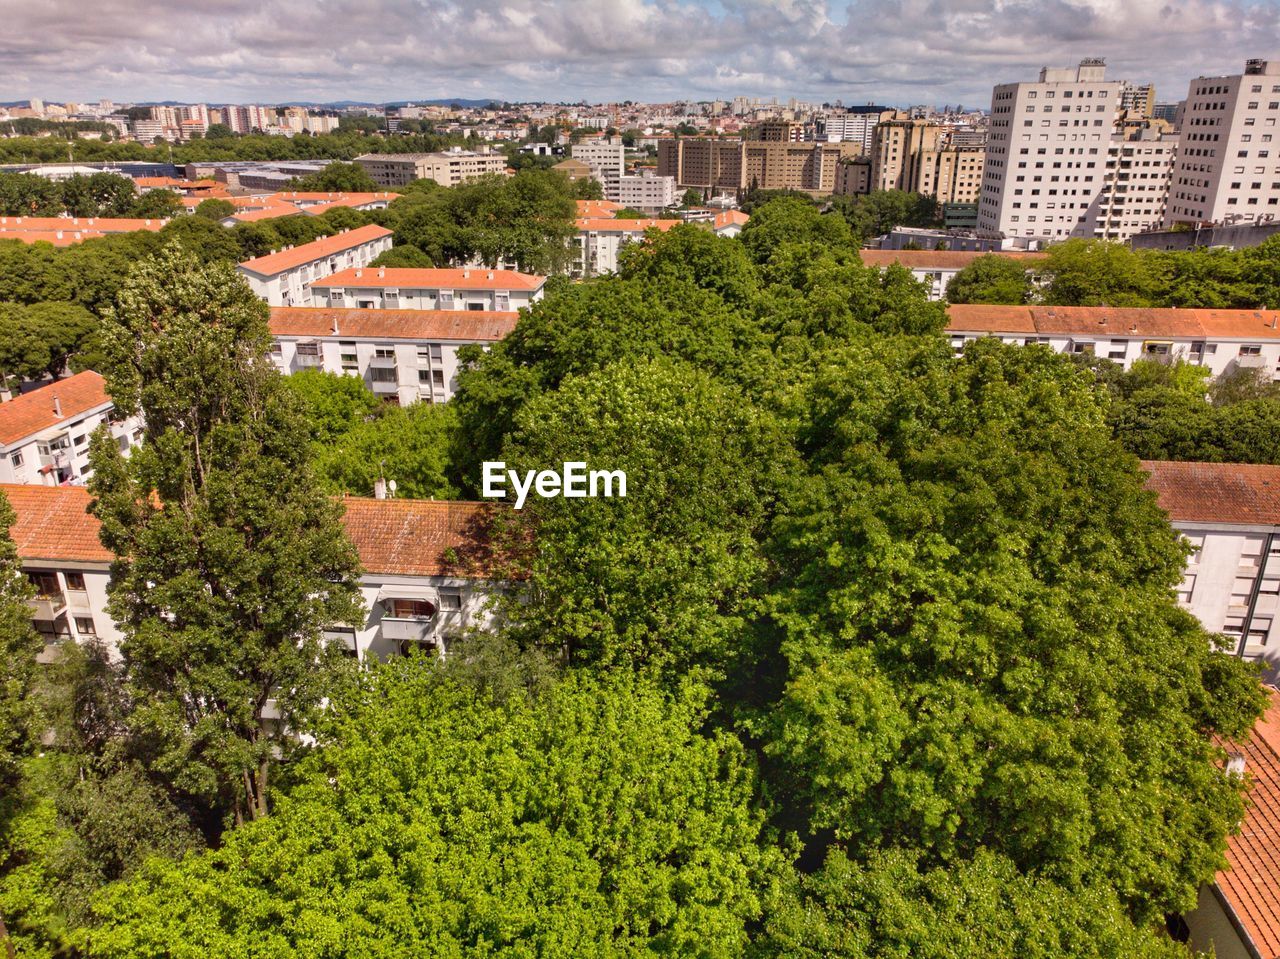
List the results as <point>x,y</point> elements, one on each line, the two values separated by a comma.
<point>891,51</point>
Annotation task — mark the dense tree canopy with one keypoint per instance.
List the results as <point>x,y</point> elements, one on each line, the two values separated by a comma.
<point>991,279</point>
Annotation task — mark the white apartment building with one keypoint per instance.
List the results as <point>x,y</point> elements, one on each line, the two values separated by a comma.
<point>608,161</point>
<point>599,241</point>
<point>497,291</point>
<point>1047,150</point>
<point>285,277</point>
<point>649,193</point>
<point>1230,513</point>
<point>1229,167</point>
<point>426,577</point>
<point>1134,187</point>
<point>937,268</point>
<point>44,434</point>
<point>402,356</point>
<point>1221,340</point>
<point>854,127</point>
<point>447,169</point>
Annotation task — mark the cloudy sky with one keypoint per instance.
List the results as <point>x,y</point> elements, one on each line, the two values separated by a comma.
<point>888,51</point>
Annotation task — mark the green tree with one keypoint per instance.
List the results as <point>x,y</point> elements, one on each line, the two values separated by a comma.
<point>409,444</point>
<point>215,208</point>
<point>981,649</point>
<point>337,178</point>
<point>18,647</point>
<point>218,131</point>
<point>156,205</point>
<point>403,256</point>
<point>41,339</point>
<point>691,198</point>
<point>991,279</point>
<point>332,404</point>
<point>664,577</point>
<point>876,213</point>
<point>589,819</point>
<point>229,560</point>
<point>1097,273</point>
<point>792,220</point>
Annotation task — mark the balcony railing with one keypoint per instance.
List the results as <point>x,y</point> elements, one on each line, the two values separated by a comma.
<point>307,360</point>
<point>382,363</point>
<point>47,607</point>
<point>413,629</point>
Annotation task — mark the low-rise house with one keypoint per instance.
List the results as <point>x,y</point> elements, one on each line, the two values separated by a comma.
<point>1221,340</point>
<point>403,288</point>
<point>599,240</point>
<point>44,434</point>
<point>937,268</point>
<point>427,571</point>
<point>1238,914</point>
<point>403,356</point>
<point>1230,514</point>
<point>286,277</point>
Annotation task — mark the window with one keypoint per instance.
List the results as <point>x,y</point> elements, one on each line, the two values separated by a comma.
<point>446,299</point>
<point>1251,349</point>
<point>382,374</point>
<point>384,352</point>
<point>46,584</point>
<point>1187,588</point>
<point>437,379</point>
<point>15,460</point>
<point>450,599</point>
<point>75,581</point>
<point>85,627</point>
<point>409,609</point>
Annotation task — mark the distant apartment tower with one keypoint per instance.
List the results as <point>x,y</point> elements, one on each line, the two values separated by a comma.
<point>644,192</point>
<point>606,161</point>
<point>703,162</point>
<point>1135,185</point>
<point>1138,101</point>
<point>1168,112</point>
<point>1047,149</point>
<point>855,125</point>
<point>779,131</point>
<point>1228,169</point>
<point>447,169</point>
<point>918,156</point>
<point>247,119</point>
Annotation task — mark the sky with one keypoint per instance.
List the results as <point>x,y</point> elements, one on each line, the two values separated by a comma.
<point>894,52</point>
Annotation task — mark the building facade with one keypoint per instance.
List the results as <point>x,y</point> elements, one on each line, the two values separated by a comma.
<point>1228,169</point>
<point>285,277</point>
<point>402,356</point>
<point>448,169</point>
<point>1047,151</point>
<point>44,434</point>
<point>599,241</point>
<point>497,291</point>
<point>426,574</point>
<point>936,268</point>
<point>648,193</point>
<point>732,165</point>
<point>1223,341</point>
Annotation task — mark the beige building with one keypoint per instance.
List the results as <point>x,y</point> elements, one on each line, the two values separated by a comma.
<point>1138,101</point>
<point>702,162</point>
<point>918,156</point>
<point>447,169</point>
<point>1228,169</point>
<point>854,176</point>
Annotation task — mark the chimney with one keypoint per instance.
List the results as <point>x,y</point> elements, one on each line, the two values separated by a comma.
<point>57,406</point>
<point>335,324</point>
<point>491,274</point>
<point>380,488</point>
<point>1235,764</point>
<point>359,273</point>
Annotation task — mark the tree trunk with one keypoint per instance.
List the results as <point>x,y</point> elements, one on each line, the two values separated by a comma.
<point>260,782</point>
<point>9,951</point>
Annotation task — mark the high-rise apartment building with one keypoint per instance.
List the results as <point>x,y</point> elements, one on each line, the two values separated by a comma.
<point>918,155</point>
<point>1228,169</point>
<point>855,125</point>
<point>607,161</point>
<point>1138,101</point>
<point>703,162</point>
<point>1055,152</point>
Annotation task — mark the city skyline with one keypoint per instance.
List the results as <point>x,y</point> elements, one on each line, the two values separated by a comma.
<point>908,51</point>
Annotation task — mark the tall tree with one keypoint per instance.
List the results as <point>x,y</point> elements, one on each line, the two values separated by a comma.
<point>990,279</point>
<point>229,561</point>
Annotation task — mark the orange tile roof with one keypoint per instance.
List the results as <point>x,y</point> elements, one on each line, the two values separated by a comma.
<point>601,225</point>
<point>1115,321</point>
<point>101,224</point>
<point>1251,882</point>
<point>275,263</point>
<point>467,326</point>
<point>406,278</point>
<point>730,218</point>
<point>393,537</point>
<point>28,414</point>
<point>56,237</point>
<point>52,524</point>
<point>1238,494</point>
<point>939,259</point>
<point>412,537</point>
<point>597,208</point>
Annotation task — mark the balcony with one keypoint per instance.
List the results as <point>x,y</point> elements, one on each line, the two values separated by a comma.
<point>382,363</point>
<point>1251,361</point>
<point>47,608</point>
<point>414,629</point>
<point>307,361</point>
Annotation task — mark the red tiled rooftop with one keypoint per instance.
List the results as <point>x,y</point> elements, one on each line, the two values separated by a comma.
<point>275,263</point>
<point>406,278</point>
<point>1114,321</point>
<point>610,225</point>
<point>1238,494</point>
<point>28,414</point>
<point>940,259</point>
<point>1251,882</point>
<point>102,224</point>
<point>597,208</point>
<point>393,537</point>
<point>470,326</point>
<point>52,524</point>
